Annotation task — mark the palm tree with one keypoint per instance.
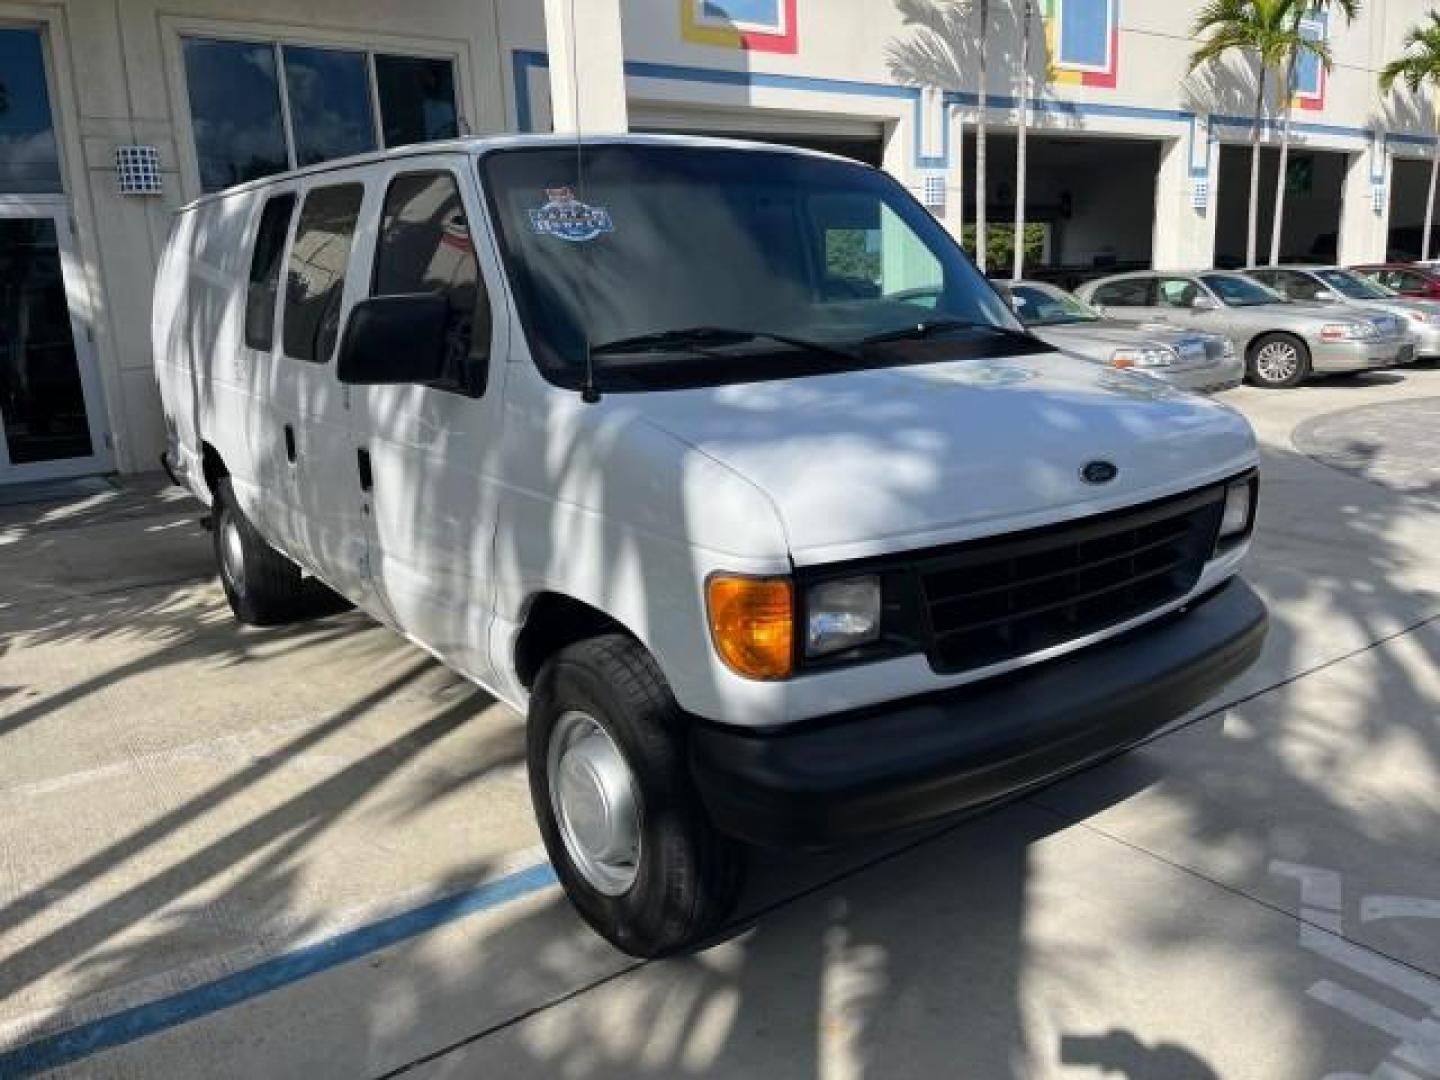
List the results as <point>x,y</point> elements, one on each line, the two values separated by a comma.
<point>1350,9</point>
<point>1021,163</point>
<point>1265,31</point>
<point>1418,67</point>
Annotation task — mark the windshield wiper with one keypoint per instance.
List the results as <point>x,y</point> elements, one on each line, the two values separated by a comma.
<point>700,338</point>
<point>931,327</point>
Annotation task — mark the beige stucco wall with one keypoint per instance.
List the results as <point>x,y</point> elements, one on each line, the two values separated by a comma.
<point>116,79</point>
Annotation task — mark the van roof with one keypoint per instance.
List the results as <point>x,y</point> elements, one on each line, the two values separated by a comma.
<point>479,145</point>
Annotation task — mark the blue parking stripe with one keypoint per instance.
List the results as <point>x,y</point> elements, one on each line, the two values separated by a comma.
<point>135,1023</point>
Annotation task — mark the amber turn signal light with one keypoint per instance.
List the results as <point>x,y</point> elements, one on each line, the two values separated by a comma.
<point>752,621</point>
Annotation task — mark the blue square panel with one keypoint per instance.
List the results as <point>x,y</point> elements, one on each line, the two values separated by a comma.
<point>1085,33</point>
<point>1307,66</point>
<point>766,13</point>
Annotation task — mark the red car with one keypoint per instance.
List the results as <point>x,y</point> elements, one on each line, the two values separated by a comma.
<point>1409,280</point>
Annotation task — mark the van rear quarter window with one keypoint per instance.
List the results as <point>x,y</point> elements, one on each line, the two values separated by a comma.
<point>265,271</point>
<point>315,273</point>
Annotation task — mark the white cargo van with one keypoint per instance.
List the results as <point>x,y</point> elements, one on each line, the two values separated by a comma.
<point>644,437</point>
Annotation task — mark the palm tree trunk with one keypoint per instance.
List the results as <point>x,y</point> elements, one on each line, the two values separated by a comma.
<point>1279,219</point>
<point>1020,147</point>
<point>1430,199</point>
<point>1252,232</point>
<point>981,106</point>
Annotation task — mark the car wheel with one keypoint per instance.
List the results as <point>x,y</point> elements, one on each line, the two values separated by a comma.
<point>610,782</point>
<point>1279,361</point>
<point>264,587</point>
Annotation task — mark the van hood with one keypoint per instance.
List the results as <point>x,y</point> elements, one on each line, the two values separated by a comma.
<point>869,462</point>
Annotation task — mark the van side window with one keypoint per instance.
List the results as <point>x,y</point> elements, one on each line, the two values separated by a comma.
<point>425,246</point>
<point>315,273</point>
<point>265,271</point>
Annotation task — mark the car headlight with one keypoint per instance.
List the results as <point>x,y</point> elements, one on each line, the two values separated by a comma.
<point>1350,331</point>
<point>842,614</point>
<point>1152,356</point>
<point>1239,513</point>
<point>1425,318</point>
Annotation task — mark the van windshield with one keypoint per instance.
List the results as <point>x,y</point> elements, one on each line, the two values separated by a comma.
<point>683,266</point>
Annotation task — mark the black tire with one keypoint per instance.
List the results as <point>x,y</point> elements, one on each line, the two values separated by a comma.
<point>687,875</point>
<point>1263,375</point>
<point>264,587</point>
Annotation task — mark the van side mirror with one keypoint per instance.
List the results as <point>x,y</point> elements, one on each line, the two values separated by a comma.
<point>395,339</point>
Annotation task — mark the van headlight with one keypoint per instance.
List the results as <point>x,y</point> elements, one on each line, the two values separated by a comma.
<point>1239,514</point>
<point>1150,357</point>
<point>842,614</point>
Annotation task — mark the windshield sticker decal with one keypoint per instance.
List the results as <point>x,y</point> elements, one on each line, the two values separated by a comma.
<point>567,218</point>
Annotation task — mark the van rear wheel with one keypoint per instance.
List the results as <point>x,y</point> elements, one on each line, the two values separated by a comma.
<point>610,783</point>
<point>264,587</point>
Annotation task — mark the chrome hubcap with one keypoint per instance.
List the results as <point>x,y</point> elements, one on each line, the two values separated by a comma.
<point>593,796</point>
<point>1277,362</point>
<point>232,553</point>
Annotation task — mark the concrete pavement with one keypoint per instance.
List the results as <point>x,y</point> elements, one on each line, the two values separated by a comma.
<point>193,809</point>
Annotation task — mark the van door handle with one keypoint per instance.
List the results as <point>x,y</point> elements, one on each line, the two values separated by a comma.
<point>290,444</point>
<point>362,462</point>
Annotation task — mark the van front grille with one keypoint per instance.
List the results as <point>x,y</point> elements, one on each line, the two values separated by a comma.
<point>999,599</point>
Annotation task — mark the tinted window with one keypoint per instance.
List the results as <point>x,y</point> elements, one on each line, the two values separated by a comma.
<point>1237,291</point>
<point>329,93</point>
<point>265,271</point>
<point>234,110</point>
<point>773,250</point>
<point>1351,285</point>
<point>1132,292</point>
<point>29,161</point>
<point>417,99</point>
<point>1177,292</point>
<point>315,273</point>
<point>425,246</point>
<point>1290,283</point>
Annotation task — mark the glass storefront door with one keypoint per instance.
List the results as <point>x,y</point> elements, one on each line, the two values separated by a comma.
<point>48,398</point>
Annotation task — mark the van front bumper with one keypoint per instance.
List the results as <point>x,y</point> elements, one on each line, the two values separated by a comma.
<point>878,769</point>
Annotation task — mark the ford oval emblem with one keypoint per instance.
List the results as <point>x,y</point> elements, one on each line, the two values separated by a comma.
<point>1098,472</point>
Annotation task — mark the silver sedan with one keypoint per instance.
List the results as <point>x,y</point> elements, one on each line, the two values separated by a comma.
<point>1283,343</point>
<point>1337,287</point>
<point>1186,359</point>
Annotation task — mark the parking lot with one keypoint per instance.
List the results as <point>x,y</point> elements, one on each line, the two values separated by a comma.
<point>309,851</point>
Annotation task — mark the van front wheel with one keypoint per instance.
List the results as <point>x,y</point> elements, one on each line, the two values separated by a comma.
<point>611,787</point>
<point>264,587</point>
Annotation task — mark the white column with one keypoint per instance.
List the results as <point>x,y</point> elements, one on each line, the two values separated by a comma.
<point>1184,237</point>
<point>587,65</point>
<point>1363,229</point>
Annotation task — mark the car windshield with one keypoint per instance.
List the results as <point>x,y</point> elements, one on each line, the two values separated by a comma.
<point>1045,305</point>
<point>1236,291</point>
<point>674,266</point>
<point>1353,286</point>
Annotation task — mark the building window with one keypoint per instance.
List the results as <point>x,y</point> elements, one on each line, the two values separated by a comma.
<point>29,159</point>
<point>329,93</point>
<point>248,124</point>
<point>234,111</point>
<point>417,99</point>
